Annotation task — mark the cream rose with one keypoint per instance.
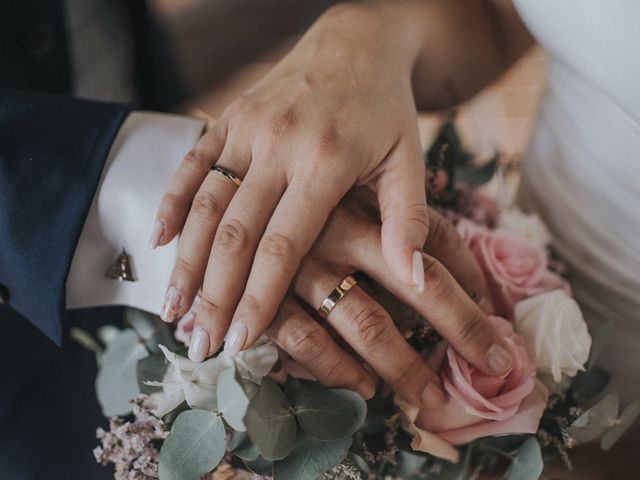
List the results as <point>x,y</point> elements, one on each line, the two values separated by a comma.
<point>555,333</point>
<point>527,225</point>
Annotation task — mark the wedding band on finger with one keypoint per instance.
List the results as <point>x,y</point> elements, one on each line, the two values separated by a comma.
<point>226,174</point>
<point>329,303</point>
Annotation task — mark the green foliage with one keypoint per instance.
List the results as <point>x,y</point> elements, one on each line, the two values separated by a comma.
<point>595,421</point>
<point>270,422</point>
<point>194,447</point>
<point>116,383</point>
<point>232,399</point>
<point>528,463</point>
<point>151,369</point>
<point>627,418</point>
<point>311,458</point>
<point>329,414</point>
<point>150,329</point>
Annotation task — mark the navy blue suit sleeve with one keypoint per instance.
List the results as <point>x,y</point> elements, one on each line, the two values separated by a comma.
<point>52,151</point>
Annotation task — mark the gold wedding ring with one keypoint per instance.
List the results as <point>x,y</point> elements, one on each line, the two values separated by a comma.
<point>336,295</point>
<point>226,174</point>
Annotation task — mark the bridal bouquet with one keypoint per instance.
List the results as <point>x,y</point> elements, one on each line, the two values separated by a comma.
<point>257,416</point>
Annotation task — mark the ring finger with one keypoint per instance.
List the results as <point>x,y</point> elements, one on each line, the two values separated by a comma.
<point>370,331</point>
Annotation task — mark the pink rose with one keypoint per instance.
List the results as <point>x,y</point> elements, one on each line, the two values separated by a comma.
<point>479,405</point>
<point>515,268</point>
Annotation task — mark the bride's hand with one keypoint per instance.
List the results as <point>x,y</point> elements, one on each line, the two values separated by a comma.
<point>338,111</point>
<point>351,242</point>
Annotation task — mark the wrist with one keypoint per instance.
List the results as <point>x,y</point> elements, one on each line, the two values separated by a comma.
<point>387,32</point>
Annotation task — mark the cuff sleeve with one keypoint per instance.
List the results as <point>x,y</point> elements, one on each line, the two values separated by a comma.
<point>141,161</point>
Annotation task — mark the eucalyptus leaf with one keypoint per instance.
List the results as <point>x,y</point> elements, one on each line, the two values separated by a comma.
<point>150,328</point>
<point>329,414</point>
<point>595,421</point>
<point>260,466</point>
<point>410,464</point>
<point>232,399</point>
<point>85,339</point>
<point>246,450</point>
<point>627,418</point>
<point>270,422</point>
<point>116,382</point>
<point>311,458</point>
<point>151,369</point>
<point>528,463</point>
<point>194,447</point>
<point>587,385</point>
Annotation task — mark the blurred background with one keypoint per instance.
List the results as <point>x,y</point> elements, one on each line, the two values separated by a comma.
<point>225,46</point>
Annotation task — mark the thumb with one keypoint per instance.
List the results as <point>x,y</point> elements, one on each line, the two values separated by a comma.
<point>403,209</point>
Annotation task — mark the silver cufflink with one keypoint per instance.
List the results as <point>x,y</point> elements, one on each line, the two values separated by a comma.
<point>121,268</point>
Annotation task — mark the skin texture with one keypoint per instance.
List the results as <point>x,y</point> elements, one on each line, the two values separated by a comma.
<point>337,112</point>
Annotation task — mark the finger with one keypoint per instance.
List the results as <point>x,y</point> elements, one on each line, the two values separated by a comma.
<point>370,331</point>
<point>184,184</point>
<point>310,344</point>
<point>445,244</point>
<point>403,210</point>
<point>295,225</point>
<point>232,252</point>
<point>194,247</point>
<point>443,302</point>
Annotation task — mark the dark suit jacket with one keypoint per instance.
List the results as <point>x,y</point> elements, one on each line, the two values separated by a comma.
<point>52,151</point>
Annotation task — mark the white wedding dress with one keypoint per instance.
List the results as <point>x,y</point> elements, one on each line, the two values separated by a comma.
<point>582,169</point>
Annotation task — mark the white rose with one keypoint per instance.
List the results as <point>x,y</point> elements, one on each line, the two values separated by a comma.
<point>527,225</point>
<point>555,333</point>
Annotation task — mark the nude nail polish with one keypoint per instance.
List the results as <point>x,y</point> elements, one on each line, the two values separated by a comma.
<point>236,338</point>
<point>417,271</point>
<point>432,396</point>
<point>498,359</point>
<point>199,345</point>
<point>156,234</point>
<point>171,307</point>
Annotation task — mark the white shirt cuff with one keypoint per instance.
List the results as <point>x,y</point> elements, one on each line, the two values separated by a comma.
<point>141,161</point>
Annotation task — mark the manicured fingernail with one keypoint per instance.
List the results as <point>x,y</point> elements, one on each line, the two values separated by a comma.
<point>432,396</point>
<point>171,306</point>
<point>199,345</point>
<point>236,338</point>
<point>366,388</point>
<point>498,359</point>
<point>486,305</point>
<point>417,271</point>
<point>156,234</point>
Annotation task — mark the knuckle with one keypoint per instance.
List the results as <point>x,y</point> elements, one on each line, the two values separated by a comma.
<point>306,343</point>
<point>277,245</point>
<point>419,213</point>
<point>327,142</point>
<point>443,236</point>
<point>206,205</point>
<point>334,372</point>
<point>435,278</point>
<point>372,325</point>
<point>233,236</point>
<point>407,375</point>
<point>170,203</point>
<point>472,328</point>
<point>196,160</point>
<point>209,306</point>
<point>282,124</point>
<point>184,268</point>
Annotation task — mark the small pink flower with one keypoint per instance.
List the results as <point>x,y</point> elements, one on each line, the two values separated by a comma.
<point>479,405</point>
<point>515,268</point>
<point>185,327</point>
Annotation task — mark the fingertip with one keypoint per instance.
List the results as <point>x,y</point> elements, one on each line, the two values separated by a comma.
<point>157,234</point>
<point>432,396</point>
<point>417,271</point>
<point>199,345</point>
<point>366,388</point>
<point>499,360</point>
